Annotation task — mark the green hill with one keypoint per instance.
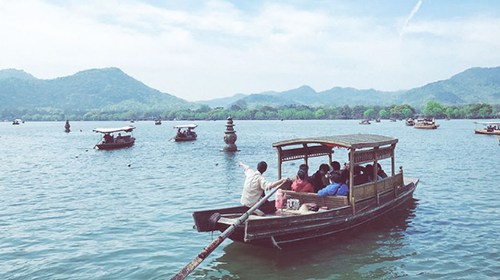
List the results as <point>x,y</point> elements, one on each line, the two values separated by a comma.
<point>111,90</point>
<point>96,89</point>
<point>475,85</point>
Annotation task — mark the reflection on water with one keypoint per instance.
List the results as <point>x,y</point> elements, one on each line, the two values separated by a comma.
<point>363,253</point>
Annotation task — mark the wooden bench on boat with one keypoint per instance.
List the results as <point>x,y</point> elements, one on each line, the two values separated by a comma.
<point>371,190</point>
<point>329,201</point>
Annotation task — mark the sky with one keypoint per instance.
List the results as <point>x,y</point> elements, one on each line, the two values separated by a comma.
<point>201,50</point>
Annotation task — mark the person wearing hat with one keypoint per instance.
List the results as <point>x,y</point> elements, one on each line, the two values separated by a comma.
<point>337,187</point>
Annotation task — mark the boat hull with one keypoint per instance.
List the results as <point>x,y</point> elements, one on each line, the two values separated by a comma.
<point>114,146</point>
<point>486,132</point>
<point>426,126</point>
<point>280,231</point>
<point>184,139</point>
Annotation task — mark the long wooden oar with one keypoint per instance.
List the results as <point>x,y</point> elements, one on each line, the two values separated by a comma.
<point>183,273</point>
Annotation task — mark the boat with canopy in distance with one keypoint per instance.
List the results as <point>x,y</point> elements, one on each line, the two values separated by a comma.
<point>335,214</point>
<point>109,142</point>
<point>426,123</point>
<point>410,122</point>
<point>490,128</point>
<point>185,132</point>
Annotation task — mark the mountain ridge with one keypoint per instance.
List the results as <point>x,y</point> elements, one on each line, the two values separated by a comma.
<point>474,85</point>
<point>107,88</point>
<point>112,89</point>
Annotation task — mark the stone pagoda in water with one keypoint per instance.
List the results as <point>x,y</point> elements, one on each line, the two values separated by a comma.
<point>230,136</point>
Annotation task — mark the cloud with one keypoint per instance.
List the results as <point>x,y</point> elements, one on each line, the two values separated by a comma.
<point>410,16</point>
<point>208,49</point>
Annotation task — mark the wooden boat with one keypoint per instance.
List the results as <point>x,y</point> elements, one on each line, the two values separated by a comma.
<point>16,122</point>
<point>364,122</point>
<point>490,128</point>
<point>185,132</point>
<point>426,123</point>
<point>336,214</point>
<point>410,122</point>
<point>109,142</point>
<point>158,122</point>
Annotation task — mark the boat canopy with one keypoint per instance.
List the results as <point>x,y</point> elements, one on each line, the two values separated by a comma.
<point>354,141</point>
<point>112,130</point>
<point>192,126</point>
<point>363,148</point>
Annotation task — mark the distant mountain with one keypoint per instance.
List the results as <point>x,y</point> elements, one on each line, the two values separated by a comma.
<point>104,89</point>
<point>474,85</point>
<point>15,74</point>
<point>110,89</point>
<point>222,102</point>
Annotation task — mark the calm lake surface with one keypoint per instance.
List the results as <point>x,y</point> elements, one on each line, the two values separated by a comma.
<point>68,211</point>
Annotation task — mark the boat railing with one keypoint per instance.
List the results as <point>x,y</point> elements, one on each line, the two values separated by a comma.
<point>369,190</point>
<point>330,202</point>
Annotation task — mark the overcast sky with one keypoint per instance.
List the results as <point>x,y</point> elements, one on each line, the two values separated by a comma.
<point>199,50</point>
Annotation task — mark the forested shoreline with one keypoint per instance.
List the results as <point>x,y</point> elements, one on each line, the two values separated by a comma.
<point>431,109</point>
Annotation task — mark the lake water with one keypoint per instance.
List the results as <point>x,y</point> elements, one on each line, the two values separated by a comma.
<point>68,211</point>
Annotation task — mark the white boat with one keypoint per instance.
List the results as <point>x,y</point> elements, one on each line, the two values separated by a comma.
<point>426,123</point>
<point>109,142</point>
<point>490,128</point>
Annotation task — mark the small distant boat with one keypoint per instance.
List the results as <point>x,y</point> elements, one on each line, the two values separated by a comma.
<point>377,120</point>
<point>185,132</point>
<point>17,122</point>
<point>67,127</point>
<point>490,128</point>
<point>365,122</point>
<point>410,122</point>
<point>109,142</point>
<point>158,122</point>
<point>426,123</point>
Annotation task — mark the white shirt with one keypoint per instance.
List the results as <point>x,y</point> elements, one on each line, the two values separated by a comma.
<point>254,186</point>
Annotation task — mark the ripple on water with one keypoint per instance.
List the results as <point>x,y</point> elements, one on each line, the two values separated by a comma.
<point>68,211</point>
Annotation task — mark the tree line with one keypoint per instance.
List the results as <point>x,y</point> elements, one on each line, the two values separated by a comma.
<point>291,112</point>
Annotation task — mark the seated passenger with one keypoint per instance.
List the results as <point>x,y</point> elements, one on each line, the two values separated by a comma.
<point>319,179</point>
<point>108,138</point>
<point>370,173</point>
<point>380,171</point>
<point>300,184</point>
<point>336,187</point>
<point>360,176</point>
<point>335,166</point>
<point>119,138</point>
<point>305,167</point>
